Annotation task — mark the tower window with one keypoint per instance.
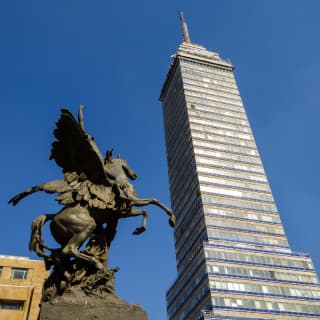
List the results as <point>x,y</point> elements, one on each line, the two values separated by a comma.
<point>19,274</point>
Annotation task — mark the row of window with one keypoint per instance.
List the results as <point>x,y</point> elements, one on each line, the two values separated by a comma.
<point>221,127</point>
<point>215,104</point>
<point>231,170</point>
<point>258,196</point>
<point>264,289</point>
<point>17,273</point>
<point>260,273</point>
<point>232,174</point>
<point>237,184</point>
<point>258,239</point>
<point>245,226</point>
<point>215,134</point>
<point>219,136</point>
<point>218,124</point>
<point>225,133</point>
<point>174,291</point>
<point>225,147</point>
<point>259,259</point>
<point>213,84</point>
<point>212,97</point>
<point>238,203</point>
<point>219,111</point>
<point>257,304</point>
<point>229,164</point>
<point>196,68</point>
<point>214,81</point>
<point>228,156</point>
<point>225,96</point>
<point>223,139</point>
<point>272,218</point>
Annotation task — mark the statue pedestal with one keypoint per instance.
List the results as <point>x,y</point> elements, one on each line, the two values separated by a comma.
<point>77,306</point>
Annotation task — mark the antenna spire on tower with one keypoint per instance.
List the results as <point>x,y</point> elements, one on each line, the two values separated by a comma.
<point>185,31</point>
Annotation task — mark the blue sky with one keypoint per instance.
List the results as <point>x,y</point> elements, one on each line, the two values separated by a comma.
<point>112,56</point>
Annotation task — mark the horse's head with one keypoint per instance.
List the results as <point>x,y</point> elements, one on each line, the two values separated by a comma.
<point>118,163</point>
<point>129,172</point>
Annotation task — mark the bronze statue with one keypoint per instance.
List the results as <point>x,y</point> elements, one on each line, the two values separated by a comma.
<point>95,194</point>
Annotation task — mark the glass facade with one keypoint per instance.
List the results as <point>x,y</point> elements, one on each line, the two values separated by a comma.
<point>233,256</point>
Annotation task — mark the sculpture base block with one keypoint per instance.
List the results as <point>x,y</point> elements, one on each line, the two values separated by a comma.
<point>75,306</point>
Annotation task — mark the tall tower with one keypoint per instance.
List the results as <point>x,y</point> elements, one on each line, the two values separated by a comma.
<point>233,257</point>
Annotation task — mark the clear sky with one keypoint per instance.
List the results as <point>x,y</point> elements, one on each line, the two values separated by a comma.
<point>112,56</point>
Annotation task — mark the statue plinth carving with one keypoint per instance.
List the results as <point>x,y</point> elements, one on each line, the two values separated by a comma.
<point>95,193</point>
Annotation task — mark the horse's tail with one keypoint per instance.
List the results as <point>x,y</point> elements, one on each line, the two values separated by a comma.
<point>14,200</point>
<point>54,186</point>
<point>36,243</point>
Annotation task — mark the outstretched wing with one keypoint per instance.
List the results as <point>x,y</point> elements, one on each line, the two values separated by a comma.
<point>82,163</point>
<point>75,150</point>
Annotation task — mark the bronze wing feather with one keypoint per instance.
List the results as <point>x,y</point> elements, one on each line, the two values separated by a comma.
<point>75,150</point>
<point>80,158</point>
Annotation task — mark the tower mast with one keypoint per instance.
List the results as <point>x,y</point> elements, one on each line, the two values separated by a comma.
<point>186,37</point>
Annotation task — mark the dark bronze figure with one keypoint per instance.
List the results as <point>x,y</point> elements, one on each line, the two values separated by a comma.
<point>95,194</point>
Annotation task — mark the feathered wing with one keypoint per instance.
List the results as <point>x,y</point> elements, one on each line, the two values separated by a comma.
<point>75,150</point>
<point>82,163</point>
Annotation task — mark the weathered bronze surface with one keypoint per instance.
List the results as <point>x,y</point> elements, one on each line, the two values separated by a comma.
<point>95,194</point>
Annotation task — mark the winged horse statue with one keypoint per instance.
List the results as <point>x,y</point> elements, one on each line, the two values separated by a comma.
<point>95,193</point>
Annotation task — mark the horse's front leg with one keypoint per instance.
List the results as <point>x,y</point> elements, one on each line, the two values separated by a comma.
<point>133,213</point>
<point>144,202</point>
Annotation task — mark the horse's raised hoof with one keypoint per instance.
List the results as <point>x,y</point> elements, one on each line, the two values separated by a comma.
<point>172,221</point>
<point>139,230</point>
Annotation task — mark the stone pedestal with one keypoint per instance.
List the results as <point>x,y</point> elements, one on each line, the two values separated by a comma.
<point>74,305</point>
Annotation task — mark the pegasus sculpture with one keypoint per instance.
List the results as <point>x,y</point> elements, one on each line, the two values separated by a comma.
<point>95,193</point>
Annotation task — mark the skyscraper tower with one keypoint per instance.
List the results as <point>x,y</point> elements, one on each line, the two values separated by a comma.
<point>233,257</point>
